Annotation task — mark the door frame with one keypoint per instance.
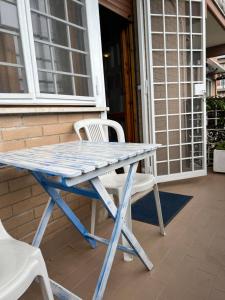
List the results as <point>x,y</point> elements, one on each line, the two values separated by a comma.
<point>129,83</point>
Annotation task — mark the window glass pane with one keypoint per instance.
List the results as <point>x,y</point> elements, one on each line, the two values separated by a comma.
<point>171,41</point>
<point>76,13</point>
<point>157,23</point>
<point>173,106</point>
<point>160,123</point>
<point>186,106</point>
<point>156,7</point>
<point>173,122</point>
<point>187,150</point>
<point>173,91</point>
<point>196,42</point>
<point>184,24</point>
<point>46,82</point>
<point>185,58</point>
<point>170,24</point>
<point>174,167</point>
<point>172,74</point>
<point>159,91</point>
<point>12,80</point>
<point>196,9</point>
<point>170,7</point>
<point>161,154</point>
<point>197,104</point>
<point>12,69</point>
<point>160,107</point>
<point>198,74</point>
<point>43,56</point>
<point>77,38</point>
<point>172,58</point>
<point>185,89</point>
<point>184,8</point>
<point>64,84</point>
<point>82,86</point>
<point>162,168</point>
<point>8,15</point>
<point>158,58</point>
<point>184,41</point>
<point>186,165</point>
<point>161,138</point>
<point>174,137</point>
<point>80,63</point>
<point>198,149</point>
<point>198,163</point>
<point>197,58</point>
<point>159,75</point>
<point>157,41</point>
<point>174,152</point>
<point>64,50</point>
<point>198,120</point>
<point>185,74</point>
<point>62,64</point>
<point>58,33</point>
<point>40,27</point>
<point>186,121</point>
<point>186,136</point>
<point>198,135</point>
<point>196,25</point>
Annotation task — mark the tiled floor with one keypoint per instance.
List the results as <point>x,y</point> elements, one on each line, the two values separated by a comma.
<point>189,262</point>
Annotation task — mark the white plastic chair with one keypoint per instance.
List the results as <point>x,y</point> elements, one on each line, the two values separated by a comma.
<point>96,130</point>
<point>20,264</point>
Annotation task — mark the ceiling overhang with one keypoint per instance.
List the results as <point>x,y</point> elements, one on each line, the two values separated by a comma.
<point>215,29</point>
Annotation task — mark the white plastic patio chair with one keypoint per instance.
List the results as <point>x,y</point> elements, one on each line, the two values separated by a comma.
<point>20,264</point>
<point>96,130</point>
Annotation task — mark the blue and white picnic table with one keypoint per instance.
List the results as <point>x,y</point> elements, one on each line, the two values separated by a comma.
<point>65,166</point>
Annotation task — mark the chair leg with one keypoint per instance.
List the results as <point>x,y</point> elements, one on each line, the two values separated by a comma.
<point>159,210</point>
<point>44,279</point>
<point>128,221</point>
<point>46,288</point>
<point>93,216</point>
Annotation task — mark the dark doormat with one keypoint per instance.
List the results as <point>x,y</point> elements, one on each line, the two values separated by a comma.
<point>144,210</point>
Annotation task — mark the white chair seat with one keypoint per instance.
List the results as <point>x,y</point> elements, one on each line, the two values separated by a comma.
<point>20,264</point>
<point>115,182</point>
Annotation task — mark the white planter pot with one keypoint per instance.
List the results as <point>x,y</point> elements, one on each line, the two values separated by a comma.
<point>219,161</point>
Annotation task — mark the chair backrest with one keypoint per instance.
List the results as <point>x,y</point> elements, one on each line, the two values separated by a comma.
<point>96,130</point>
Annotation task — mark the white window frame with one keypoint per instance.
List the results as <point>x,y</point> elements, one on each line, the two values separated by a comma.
<point>34,97</point>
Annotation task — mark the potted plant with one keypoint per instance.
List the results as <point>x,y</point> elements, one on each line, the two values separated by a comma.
<point>219,157</point>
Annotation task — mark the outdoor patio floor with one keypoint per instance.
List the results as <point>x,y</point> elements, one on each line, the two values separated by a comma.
<point>189,262</point>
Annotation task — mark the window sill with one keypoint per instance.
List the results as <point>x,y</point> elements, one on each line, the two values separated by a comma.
<point>46,110</point>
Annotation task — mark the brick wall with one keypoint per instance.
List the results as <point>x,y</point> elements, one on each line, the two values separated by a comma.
<point>22,200</point>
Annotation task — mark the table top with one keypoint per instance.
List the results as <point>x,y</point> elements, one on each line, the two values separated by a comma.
<point>73,158</point>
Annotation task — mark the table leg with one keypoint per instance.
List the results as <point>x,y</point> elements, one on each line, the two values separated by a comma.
<point>56,197</point>
<point>43,223</point>
<point>119,227</point>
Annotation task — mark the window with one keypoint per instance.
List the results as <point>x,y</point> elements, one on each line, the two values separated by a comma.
<point>223,83</point>
<point>12,71</point>
<point>46,54</point>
